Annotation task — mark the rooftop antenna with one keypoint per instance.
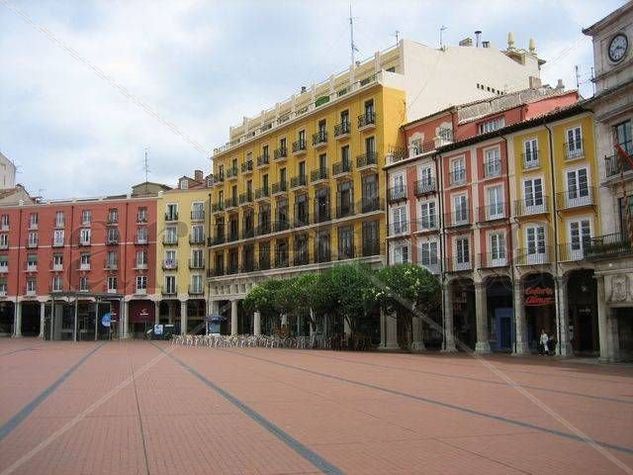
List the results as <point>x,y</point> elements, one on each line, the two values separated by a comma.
<point>593,84</point>
<point>146,165</point>
<point>351,34</point>
<point>577,76</point>
<point>397,35</point>
<point>442,28</point>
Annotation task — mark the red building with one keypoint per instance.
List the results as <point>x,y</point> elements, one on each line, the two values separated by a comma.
<point>65,264</point>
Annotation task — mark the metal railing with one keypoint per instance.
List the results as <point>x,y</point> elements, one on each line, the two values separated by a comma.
<point>246,197</point>
<point>395,229</point>
<point>231,172</point>
<point>196,264</point>
<point>367,119</point>
<point>340,168</point>
<point>574,149</point>
<point>342,129</point>
<point>344,210</point>
<point>492,168</point>
<point>171,216</point>
<point>262,193</point>
<point>230,203</point>
<point>298,181</point>
<point>263,160</point>
<point>369,159</point>
<point>247,166</point>
<point>197,215</point>
<point>369,205</point>
<point>279,187</point>
<point>531,160</point>
<point>575,198</point>
<point>492,212</point>
<point>318,174</point>
<point>457,177</point>
<point>609,245</point>
<point>457,218</point>
<point>529,207</point>
<point>396,193</point>
<point>539,255</point>
<point>280,153</point>
<point>319,138</point>
<point>491,260</point>
<point>299,146</point>
<point>425,187</point>
<point>171,290</point>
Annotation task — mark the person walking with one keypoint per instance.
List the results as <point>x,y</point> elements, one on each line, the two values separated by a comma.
<point>544,342</point>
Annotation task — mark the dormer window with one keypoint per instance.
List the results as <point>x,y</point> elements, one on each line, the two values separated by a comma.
<point>184,184</point>
<point>492,125</point>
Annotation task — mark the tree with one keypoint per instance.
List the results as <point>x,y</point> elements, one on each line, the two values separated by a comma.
<point>270,298</point>
<point>409,291</point>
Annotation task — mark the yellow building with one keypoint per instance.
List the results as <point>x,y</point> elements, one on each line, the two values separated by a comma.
<point>182,228</point>
<point>553,169</point>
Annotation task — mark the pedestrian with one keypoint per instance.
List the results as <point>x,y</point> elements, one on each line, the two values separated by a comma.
<point>544,342</point>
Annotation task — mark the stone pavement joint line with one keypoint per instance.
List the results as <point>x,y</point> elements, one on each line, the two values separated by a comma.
<point>447,405</point>
<point>311,456</point>
<point>17,419</point>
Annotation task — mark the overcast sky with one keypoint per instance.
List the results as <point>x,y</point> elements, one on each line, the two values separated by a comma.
<point>85,86</point>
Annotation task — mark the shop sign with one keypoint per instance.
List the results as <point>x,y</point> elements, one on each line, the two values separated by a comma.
<point>537,296</point>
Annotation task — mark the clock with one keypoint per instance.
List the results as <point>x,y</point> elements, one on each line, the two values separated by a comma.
<point>618,46</point>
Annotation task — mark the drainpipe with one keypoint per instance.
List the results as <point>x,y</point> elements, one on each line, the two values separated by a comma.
<point>440,188</point>
<point>17,290</point>
<point>555,224</point>
<point>208,262</point>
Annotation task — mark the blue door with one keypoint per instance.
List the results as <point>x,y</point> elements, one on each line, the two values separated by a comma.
<point>505,329</point>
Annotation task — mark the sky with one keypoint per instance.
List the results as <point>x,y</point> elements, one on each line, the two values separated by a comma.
<point>87,86</point>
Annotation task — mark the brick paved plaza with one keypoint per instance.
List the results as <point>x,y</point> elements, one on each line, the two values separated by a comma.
<point>75,408</point>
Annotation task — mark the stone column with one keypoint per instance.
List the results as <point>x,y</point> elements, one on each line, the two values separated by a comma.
<point>563,348</point>
<point>383,326</point>
<point>17,320</point>
<point>418,342</point>
<point>234,322</point>
<point>257,323</point>
<point>520,323</point>
<point>183,317</point>
<point>126,320</point>
<point>170,312</point>
<point>391,333</point>
<point>481,307</point>
<point>43,319</point>
<point>449,336</point>
<point>156,312</point>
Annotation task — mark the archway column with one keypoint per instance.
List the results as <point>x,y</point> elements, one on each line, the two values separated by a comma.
<point>520,322</point>
<point>449,336</point>
<point>234,317</point>
<point>418,342</point>
<point>481,318</point>
<point>43,319</point>
<point>562,318</point>
<point>388,332</point>
<point>183,317</point>
<point>17,320</point>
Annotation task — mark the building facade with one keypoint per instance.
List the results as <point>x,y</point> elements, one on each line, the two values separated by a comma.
<point>612,252</point>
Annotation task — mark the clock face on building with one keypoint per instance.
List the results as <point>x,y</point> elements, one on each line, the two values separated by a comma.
<point>618,46</point>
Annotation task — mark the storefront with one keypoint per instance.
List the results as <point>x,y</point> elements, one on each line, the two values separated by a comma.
<point>540,310</point>
<point>141,317</point>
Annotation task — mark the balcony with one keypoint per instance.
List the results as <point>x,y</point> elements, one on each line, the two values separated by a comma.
<point>56,268</point>
<point>456,264</point>
<point>281,153</point>
<point>31,266</point>
<point>322,215</point>
<point>217,207</point>
<point>112,241</point>
<point>196,290</point>
<point>232,269</point>
<point>492,212</point>
<point>231,173</point>
<point>30,292</point>
<point>170,217</point>
<point>218,271</point>
<point>140,240</point>
<point>281,259</point>
<point>575,198</point>
<point>539,255</point>
<point>457,177</point>
<point>342,130</point>
<point>492,168</point>
<point>609,245</point>
<point>85,266</point>
<point>32,244</point>
<point>298,181</point>
<point>218,179</point>
<point>397,229</point>
<point>279,188</point>
<point>3,292</point>
<point>247,167</point>
<point>170,264</point>
<point>234,235</point>
<point>57,242</point>
<point>248,233</point>
<point>300,258</point>
<point>615,165</point>
<point>112,219</point>
<point>169,290</point>
<point>367,161</point>
<point>574,251</point>
<point>299,147</point>
<point>301,220</point>
<point>425,187</point>
<point>84,242</point>
<point>343,210</point>
<point>170,240</point>
<point>318,175</point>
<point>396,194</point>
<point>281,225</point>
<point>197,215</point>
<point>492,260</point>
<point>367,120</point>
<point>216,240</point>
<point>427,223</point>
<point>263,229</point>
<point>264,263</point>
<point>319,139</point>
<point>574,149</point>
<point>531,160</point>
<point>196,240</point>
<point>370,248</point>
<point>248,267</point>
<point>456,219</point>
<point>262,193</point>
<point>262,161</point>
<point>230,203</point>
<point>342,168</point>
<point>246,198</point>
<point>531,207</point>
<point>369,205</point>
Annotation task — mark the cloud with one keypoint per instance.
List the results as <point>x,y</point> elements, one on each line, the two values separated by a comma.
<point>202,66</point>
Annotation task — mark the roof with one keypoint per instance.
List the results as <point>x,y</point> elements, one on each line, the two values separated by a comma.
<point>613,16</point>
<point>551,116</point>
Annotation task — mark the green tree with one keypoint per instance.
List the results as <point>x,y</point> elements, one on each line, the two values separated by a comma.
<point>409,291</point>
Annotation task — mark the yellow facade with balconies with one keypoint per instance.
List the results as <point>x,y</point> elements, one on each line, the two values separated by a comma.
<point>308,192</point>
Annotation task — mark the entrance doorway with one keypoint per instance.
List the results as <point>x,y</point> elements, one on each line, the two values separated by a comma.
<point>464,320</point>
<point>582,294</point>
<point>499,297</point>
<point>540,309</point>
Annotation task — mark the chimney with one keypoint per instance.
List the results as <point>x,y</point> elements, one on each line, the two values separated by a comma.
<point>535,82</point>
<point>303,89</point>
<point>559,85</point>
<point>485,44</point>
<point>198,175</point>
<point>510,41</point>
<point>477,37</point>
<point>466,42</point>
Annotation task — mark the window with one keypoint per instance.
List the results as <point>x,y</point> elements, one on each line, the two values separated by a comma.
<point>59,219</point>
<point>301,249</point>
<point>83,284</point>
<point>197,211</point>
<point>398,189</point>
<point>183,183</point>
<point>86,217</point>
<point>492,125</point>
<point>345,242</point>
<point>33,239</point>
<point>197,234</point>
<point>536,251</point>
<point>171,236</point>
<point>462,247</point>
<point>31,286</point>
<point>4,222</point>
<point>141,215</point>
<point>111,260</point>
<point>58,238</point>
<point>345,158</point>
<point>400,253</point>
<point>369,110</point>
<point>370,146</point>
<point>84,236</point>
<point>370,200</point>
<point>533,190</point>
<point>323,247</point>
<point>113,235</point>
<point>460,209</point>
<point>58,262</point>
<point>458,171</point>
<point>399,220</point>
<point>31,262</point>
<point>172,212</point>
<point>84,261</point>
<point>371,238</point>
<point>141,259</point>
<point>170,284</point>
<point>426,176</point>
<point>497,249</point>
<point>4,263</point>
<point>57,284</point>
<point>112,284</point>
<point>624,136</point>
<point>322,204</point>
<point>4,241</point>
<point>415,147</point>
<point>141,283</point>
<point>197,259</point>
<point>530,155</point>
<point>265,151</point>
<point>495,202</point>
<point>574,143</point>
<point>33,220</point>
<point>113,216</point>
<point>141,235</point>
<point>580,236</point>
<point>170,259</point>
<point>577,187</point>
<point>492,163</point>
<point>428,215</point>
<point>196,284</point>
<point>428,255</point>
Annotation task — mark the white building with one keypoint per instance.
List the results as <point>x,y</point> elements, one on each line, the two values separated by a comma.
<point>7,173</point>
<point>613,252</point>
